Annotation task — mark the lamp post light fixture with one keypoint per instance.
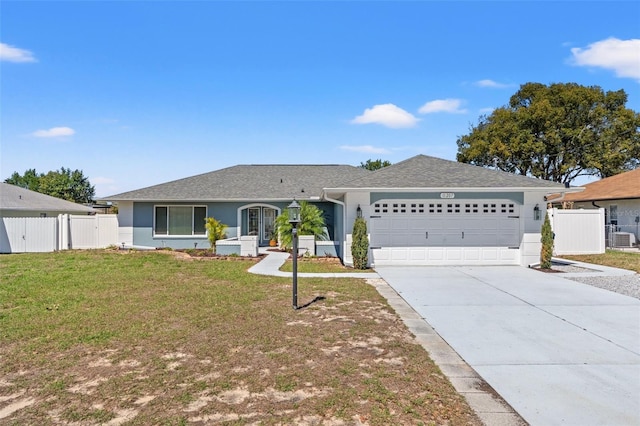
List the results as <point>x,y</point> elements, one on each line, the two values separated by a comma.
<point>294,220</point>
<point>358,212</point>
<point>536,212</point>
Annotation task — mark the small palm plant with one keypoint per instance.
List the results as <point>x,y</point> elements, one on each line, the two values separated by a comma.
<point>311,223</point>
<point>215,231</point>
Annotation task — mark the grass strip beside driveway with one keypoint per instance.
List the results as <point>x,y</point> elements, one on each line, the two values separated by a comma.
<point>613,258</point>
<point>94,337</point>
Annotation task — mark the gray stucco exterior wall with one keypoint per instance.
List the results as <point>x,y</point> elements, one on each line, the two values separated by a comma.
<point>225,212</point>
<point>518,197</point>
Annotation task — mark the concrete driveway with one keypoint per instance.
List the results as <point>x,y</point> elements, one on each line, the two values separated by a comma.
<point>559,352</point>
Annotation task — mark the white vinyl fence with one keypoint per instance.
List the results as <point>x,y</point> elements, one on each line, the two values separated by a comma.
<point>578,231</point>
<point>65,232</point>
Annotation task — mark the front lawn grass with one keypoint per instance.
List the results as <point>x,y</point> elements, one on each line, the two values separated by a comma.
<point>317,265</point>
<point>98,337</point>
<point>613,258</point>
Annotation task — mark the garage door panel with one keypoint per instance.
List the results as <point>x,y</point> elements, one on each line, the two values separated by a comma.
<point>438,256</point>
<point>460,223</point>
<point>400,224</point>
<point>417,238</point>
<point>479,238</point>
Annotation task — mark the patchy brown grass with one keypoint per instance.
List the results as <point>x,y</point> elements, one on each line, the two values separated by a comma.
<point>94,337</point>
<point>613,258</point>
<point>317,264</point>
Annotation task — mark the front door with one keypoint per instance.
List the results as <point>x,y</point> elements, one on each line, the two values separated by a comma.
<point>262,223</point>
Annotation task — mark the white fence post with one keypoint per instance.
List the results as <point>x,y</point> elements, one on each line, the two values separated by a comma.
<point>63,232</point>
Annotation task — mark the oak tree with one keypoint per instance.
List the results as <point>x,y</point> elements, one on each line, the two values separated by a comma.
<point>557,132</point>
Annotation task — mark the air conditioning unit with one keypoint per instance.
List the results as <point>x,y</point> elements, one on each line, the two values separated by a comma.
<point>624,239</point>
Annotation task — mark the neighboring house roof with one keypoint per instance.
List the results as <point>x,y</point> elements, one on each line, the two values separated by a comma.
<point>423,171</point>
<point>248,182</point>
<point>16,198</point>
<point>619,187</point>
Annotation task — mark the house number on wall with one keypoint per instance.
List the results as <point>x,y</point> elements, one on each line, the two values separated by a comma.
<point>447,195</point>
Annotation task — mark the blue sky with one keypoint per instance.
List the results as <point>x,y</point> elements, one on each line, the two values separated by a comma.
<point>140,93</point>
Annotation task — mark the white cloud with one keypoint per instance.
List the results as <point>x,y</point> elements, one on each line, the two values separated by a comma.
<point>14,54</point>
<point>388,115</point>
<point>443,105</point>
<point>54,132</point>
<point>365,148</point>
<point>491,84</point>
<point>621,56</point>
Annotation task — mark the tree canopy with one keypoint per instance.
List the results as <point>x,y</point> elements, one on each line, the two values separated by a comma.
<point>374,164</point>
<point>557,132</point>
<point>64,183</point>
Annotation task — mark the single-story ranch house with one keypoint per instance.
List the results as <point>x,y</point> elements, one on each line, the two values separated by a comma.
<point>421,211</point>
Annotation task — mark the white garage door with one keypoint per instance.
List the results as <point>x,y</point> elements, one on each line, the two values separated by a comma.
<point>445,232</point>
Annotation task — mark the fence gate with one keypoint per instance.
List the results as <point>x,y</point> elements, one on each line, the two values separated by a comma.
<point>28,234</point>
<point>88,232</point>
<point>578,231</point>
<point>46,234</point>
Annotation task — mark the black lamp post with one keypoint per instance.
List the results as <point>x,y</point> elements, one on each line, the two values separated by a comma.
<point>294,220</point>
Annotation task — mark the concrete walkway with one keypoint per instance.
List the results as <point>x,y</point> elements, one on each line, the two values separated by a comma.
<point>271,264</point>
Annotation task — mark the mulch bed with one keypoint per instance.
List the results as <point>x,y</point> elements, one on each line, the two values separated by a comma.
<point>210,255</point>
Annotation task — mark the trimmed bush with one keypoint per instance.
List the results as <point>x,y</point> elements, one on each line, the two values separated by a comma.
<point>547,244</point>
<point>360,244</point>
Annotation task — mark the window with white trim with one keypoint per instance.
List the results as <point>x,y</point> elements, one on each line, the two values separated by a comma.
<point>179,220</point>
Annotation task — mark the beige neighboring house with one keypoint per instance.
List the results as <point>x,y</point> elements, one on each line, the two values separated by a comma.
<point>20,202</point>
<point>619,196</point>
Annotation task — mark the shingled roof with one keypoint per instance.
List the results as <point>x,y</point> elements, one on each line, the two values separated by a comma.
<point>423,171</point>
<point>284,182</point>
<point>16,198</point>
<point>248,182</point>
<point>619,187</point>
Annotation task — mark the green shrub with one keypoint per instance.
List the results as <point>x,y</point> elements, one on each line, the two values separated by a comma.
<point>215,231</point>
<point>547,244</point>
<point>360,244</point>
<point>311,223</point>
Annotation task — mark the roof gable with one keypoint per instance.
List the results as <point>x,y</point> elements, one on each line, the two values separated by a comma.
<point>16,198</point>
<point>622,186</point>
<point>248,182</point>
<point>423,171</point>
